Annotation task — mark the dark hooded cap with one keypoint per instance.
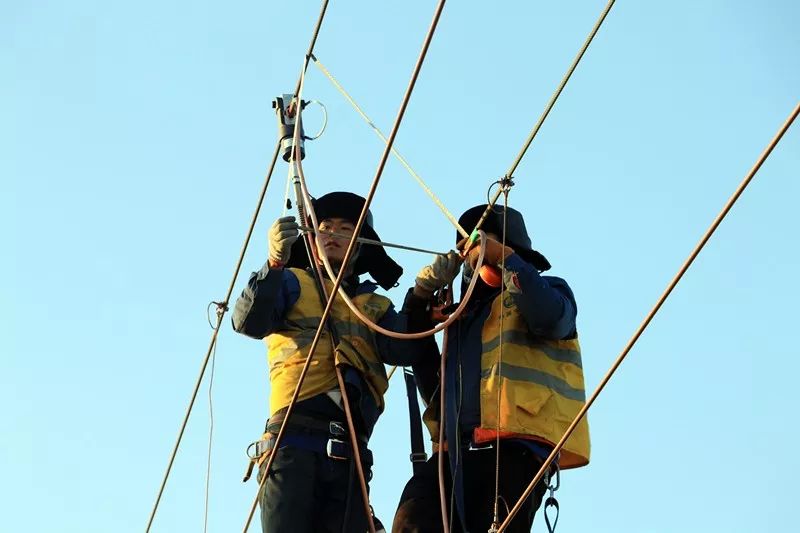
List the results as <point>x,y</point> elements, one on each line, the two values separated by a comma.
<point>371,259</point>
<point>516,233</point>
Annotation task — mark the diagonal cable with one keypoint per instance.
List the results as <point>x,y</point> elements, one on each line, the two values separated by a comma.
<point>352,244</point>
<point>672,284</point>
<point>228,294</point>
<point>557,93</point>
<point>546,112</point>
<point>399,157</point>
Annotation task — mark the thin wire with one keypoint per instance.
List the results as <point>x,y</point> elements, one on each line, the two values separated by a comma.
<point>499,367</point>
<point>560,88</point>
<point>441,435</point>
<point>210,434</point>
<point>672,284</point>
<point>372,242</point>
<point>352,245</point>
<point>227,295</point>
<point>399,157</point>
<point>354,308</point>
<point>214,335</point>
<point>356,459</point>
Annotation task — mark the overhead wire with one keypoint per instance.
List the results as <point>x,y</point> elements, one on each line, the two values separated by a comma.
<point>228,293</point>
<point>210,438</point>
<point>352,244</point>
<point>498,376</point>
<point>213,340</point>
<point>453,220</point>
<point>371,242</point>
<point>356,459</point>
<point>549,107</point>
<point>648,319</point>
<point>354,308</point>
<point>559,89</point>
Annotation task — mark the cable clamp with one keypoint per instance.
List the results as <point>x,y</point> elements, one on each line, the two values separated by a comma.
<point>222,308</point>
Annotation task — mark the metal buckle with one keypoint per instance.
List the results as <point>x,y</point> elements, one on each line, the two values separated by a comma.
<point>336,429</point>
<point>418,457</point>
<point>474,447</point>
<point>334,454</point>
<point>258,448</point>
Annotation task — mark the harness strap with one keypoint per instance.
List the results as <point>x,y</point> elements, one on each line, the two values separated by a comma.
<point>418,455</point>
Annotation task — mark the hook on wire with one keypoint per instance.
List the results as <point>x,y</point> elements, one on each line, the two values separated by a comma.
<point>324,120</point>
<point>505,183</point>
<point>222,308</point>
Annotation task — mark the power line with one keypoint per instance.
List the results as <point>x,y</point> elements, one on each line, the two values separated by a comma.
<point>228,294</point>
<point>213,341</point>
<point>672,284</point>
<point>453,220</point>
<point>351,246</point>
<point>557,93</point>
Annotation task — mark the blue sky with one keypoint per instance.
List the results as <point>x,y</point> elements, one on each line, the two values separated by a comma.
<point>133,141</point>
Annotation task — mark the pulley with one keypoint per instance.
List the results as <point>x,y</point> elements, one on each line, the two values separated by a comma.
<point>285,107</point>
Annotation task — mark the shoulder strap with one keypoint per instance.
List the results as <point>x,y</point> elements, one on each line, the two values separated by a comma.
<point>418,455</point>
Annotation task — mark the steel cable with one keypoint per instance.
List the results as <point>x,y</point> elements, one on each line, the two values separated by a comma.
<point>229,292</point>
<point>352,244</point>
<point>640,330</point>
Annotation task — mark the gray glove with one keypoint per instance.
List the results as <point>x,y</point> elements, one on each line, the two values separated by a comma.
<point>283,233</point>
<point>442,271</point>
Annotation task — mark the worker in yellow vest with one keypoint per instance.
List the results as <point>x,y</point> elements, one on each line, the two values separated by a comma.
<point>311,486</point>
<point>523,382</point>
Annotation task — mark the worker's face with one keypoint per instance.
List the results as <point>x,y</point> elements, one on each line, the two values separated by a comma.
<point>334,246</point>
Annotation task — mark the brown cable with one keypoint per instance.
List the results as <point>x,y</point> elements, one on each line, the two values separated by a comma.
<point>547,109</point>
<point>214,335</point>
<point>354,308</point>
<point>351,246</point>
<point>442,418</point>
<point>228,294</point>
<point>362,481</point>
<point>557,93</point>
<point>698,248</point>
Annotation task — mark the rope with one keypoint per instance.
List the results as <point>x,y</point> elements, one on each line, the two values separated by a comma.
<point>354,308</point>
<point>399,157</point>
<point>324,296</point>
<point>351,246</point>
<point>546,112</point>
<point>672,284</point>
<point>560,88</point>
<point>496,518</point>
<point>371,242</point>
<point>214,335</point>
<point>441,437</point>
<point>210,435</point>
<point>227,298</point>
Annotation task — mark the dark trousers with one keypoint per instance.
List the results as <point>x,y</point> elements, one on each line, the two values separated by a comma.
<point>419,510</point>
<point>308,492</point>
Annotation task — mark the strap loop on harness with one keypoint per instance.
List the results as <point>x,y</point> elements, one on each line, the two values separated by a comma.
<point>548,503</point>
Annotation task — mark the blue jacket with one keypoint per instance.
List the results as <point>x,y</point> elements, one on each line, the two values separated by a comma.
<point>261,310</point>
<point>547,305</point>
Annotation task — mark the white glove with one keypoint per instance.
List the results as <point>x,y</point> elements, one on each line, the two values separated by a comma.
<point>441,272</point>
<point>283,233</point>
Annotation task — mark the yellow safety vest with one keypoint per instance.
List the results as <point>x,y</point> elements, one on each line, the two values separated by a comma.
<point>287,349</point>
<point>541,387</point>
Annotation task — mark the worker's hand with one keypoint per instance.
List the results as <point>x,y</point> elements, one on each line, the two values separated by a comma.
<point>283,233</point>
<point>494,255</point>
<point>438,274</point>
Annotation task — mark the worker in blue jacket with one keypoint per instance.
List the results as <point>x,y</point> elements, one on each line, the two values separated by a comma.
<point>513,372</point>
<point>311,485</point>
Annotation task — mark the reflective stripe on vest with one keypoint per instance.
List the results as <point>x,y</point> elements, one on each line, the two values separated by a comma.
<point>541,385</point>
<point>287,349</point>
